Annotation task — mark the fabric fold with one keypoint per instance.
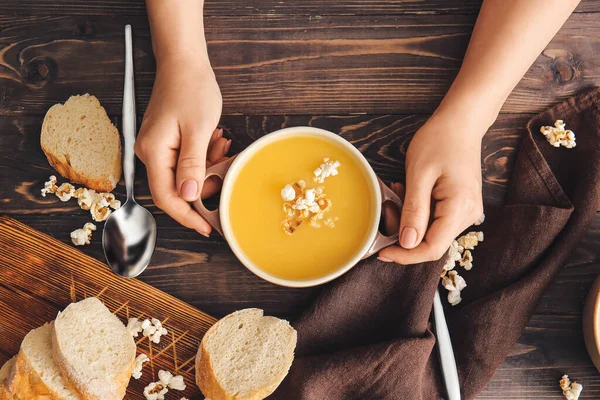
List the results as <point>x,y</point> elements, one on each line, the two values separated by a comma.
<point>367,335</point>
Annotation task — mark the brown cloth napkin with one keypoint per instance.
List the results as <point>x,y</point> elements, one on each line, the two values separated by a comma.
<point>367,335</point>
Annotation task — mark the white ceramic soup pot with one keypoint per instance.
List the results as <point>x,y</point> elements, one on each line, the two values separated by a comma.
<point>229,170</point>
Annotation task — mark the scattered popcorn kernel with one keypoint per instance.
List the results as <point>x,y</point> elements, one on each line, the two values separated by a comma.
<point>480,220</point>
<point>134,326</point>
<point>467,260</point>
<point>85,198</point>
<point>82,236</point>
<point>557,136</point>
<point>571,389</point>
<point>50,186</point>
<point>99,212</point>
<point>460,250</point>
<point>138,365</point>
<point>167,379</point>
<point>155,391</point>
<point>454,297</point>
<point>65,191</point>
<point>470,240</point>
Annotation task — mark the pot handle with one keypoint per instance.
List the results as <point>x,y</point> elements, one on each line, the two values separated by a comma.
<point>381,241</point>
<point>214,217</point>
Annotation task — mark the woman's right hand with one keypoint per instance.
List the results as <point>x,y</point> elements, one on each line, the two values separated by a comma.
<point>179,138</point>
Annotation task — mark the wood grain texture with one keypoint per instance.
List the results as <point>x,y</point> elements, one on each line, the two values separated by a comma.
<point>383,139</point>
<point>371,70</point>
<point>40,276</point>
<point>262,7</point>
<point>328,65</point>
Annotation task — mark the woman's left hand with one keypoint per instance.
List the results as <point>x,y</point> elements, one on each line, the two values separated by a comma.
<point>443,178</point>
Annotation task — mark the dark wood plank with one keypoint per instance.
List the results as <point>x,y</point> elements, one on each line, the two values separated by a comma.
<point>382,139</point>
<point>40,276</point>
<point>284,65</point>
<point>263,7</point>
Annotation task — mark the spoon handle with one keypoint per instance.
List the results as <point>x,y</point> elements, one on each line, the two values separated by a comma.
<point>447,361</point>
<point>129,118</point>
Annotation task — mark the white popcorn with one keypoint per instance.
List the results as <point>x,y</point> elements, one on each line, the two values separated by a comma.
<point>172,382</point>
<point>99,211</point>
<point>136,372</point>
<point>470,240</point>
<point>454,297</point>
<point>65,191</point>
<point>480,220</point>
<point>557,136</point>
<point>177,383</point>
<point>85,198</point>
<point>50,186</point>
<point>147,328</point>
<point>134,327</point>
<point>288,193</point>
<point>153,330</point>
<point>460,250</point>
<point>467,260</point>
<point>571,390</point>
<point>325,170</point>
<point>82,236</point>
<point>155,391</point>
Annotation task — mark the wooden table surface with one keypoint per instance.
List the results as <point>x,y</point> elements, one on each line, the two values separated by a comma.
<point>371,70</point>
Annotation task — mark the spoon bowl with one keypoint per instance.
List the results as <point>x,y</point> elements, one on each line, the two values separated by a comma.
<point>129,239</point>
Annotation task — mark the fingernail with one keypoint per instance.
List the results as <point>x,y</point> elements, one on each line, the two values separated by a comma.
<point>204,234</point>
<point>189,190</point>
<point>384,259</point>
<point>408,239</point>
<point>220,133</point>
<point>227,146</point>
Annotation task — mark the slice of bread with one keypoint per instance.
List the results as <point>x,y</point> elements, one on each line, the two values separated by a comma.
<point>245,356</point>
<point>94,350</point>
<point>5,371</point>
<point>35,374</point>
<point>82,144</point>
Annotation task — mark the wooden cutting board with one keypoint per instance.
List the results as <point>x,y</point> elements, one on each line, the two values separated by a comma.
<point>40,276</point>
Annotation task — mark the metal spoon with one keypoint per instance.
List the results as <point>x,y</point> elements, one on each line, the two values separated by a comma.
<point>447,361</point>
<point>129,236</point>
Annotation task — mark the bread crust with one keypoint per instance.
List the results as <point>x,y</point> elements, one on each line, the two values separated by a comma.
<point>206,378</point>
<point>62,166</point>
<point>64,169</point>
<point>25,383</point>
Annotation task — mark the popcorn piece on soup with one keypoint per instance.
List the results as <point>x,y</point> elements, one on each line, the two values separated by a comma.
<point>325,170</point>
<point>82,236</point>
<point>136,372</point>
<point>50,186</point>
<point>288,193</point>
<point>571,390</point>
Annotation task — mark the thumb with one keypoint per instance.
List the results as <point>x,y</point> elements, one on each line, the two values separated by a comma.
<point>191,166</point>
<point>415,210</point>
